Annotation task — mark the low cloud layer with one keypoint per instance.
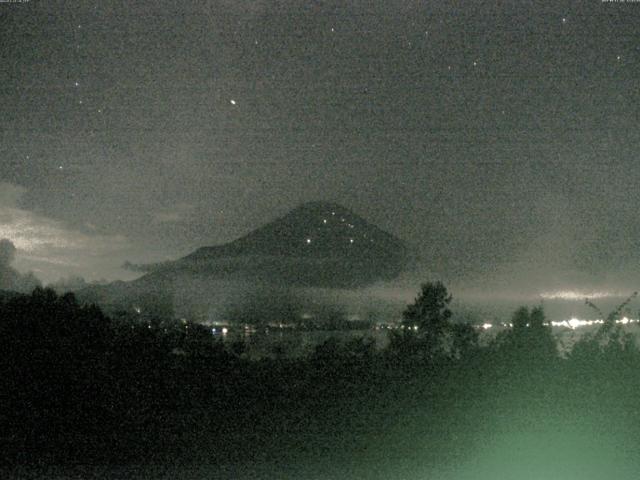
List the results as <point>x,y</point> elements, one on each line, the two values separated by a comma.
<point>53,249</point>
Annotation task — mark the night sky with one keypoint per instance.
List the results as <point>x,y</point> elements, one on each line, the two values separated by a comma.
<point>500,139</point>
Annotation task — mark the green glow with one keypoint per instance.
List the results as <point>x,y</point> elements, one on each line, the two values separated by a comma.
<point>544,446</point>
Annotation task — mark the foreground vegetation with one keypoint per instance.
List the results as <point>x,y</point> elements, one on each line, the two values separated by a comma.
<point>80,388</point>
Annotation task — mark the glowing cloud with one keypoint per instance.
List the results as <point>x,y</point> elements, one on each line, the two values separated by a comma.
<point>577,295</point>
<point>50,247</point>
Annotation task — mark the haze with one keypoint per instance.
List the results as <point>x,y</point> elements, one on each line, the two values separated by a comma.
<point>498,141</point>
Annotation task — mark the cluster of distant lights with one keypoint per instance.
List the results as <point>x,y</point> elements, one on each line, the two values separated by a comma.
<point>308,240</point>
<point>572,323</point>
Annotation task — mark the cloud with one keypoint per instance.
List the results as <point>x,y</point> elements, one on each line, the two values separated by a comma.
<point>36,234</point>
<point>179,213</point>
<point>10,278</point>
<point>51,247</point>
<point>73,283</point>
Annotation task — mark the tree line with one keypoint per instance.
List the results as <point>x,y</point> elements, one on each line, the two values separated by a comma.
<point>77,383</point>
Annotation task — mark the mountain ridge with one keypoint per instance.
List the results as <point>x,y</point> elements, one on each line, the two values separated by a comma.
<point>313,229</point>
<point>315,245</point>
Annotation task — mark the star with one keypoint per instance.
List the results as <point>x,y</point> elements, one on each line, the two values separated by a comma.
<point>564,20</point>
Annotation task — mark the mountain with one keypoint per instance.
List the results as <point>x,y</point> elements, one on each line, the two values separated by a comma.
<point>316,245</point>
<point>314,229</point>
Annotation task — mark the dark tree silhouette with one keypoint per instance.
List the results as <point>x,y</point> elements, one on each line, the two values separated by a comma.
<point>464,340</point>
<point>520,320</point>
<point>529,339</point>
<point>430,310</point>
<point>426,323</point>
<point>610,340</point>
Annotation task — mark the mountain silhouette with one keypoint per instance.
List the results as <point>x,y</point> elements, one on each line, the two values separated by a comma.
<point>316,244</point>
